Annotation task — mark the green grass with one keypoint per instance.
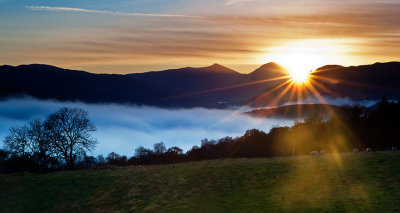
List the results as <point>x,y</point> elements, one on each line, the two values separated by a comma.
<point>362,182</point>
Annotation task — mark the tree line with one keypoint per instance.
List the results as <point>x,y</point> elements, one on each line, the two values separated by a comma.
<point>60,142</point>
<point>63,140</point>
<point>355,126</point>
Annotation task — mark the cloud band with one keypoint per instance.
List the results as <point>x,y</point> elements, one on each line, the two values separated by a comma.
<point>71,9</point>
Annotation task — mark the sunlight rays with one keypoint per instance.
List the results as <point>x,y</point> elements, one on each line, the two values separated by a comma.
<point>236,112</point>
<point>288,89</point>
<point>322,87</point>
<point>215,89</point>
<point>303,56</point>
<point>351,83</point>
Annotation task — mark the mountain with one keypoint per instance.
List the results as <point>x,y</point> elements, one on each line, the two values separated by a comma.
<point>213,86</point>
<point>190,79</point>
<point>217,68</point>
<point>365,82</point>
<point>49,82</point>
<point>360,82</point>
<point>267,71</point>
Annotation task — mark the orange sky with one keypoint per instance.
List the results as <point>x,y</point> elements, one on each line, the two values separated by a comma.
<point>240,34</point>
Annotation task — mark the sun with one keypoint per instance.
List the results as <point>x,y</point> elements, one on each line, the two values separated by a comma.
<point>299,76</point>
<point>300,65</point>
<point>302,57</point>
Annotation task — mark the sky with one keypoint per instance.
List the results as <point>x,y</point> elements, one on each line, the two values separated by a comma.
<point>125,36</point>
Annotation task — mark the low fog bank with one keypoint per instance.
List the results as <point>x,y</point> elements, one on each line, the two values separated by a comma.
<point>122,128</point>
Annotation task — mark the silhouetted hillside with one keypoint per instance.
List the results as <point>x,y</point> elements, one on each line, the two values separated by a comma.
<point>186,80</point>
<point>361,82</point>
<point>214,86</point>
<point>299,111</point>
<point>268,71</point>
<point>44,81</point>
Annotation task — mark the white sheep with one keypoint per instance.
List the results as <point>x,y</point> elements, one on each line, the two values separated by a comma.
<point>355,150</point>
<point>314,153</point>
<point>368,150</point>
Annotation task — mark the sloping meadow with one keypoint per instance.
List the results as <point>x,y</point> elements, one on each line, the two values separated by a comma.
<point>352,182</point>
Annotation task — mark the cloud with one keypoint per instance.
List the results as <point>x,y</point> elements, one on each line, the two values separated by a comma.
<point>70,9</point>
<point>229,35</point>
<point>122,128</point>
<point>234,2</point>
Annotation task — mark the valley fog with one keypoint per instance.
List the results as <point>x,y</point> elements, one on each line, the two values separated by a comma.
<point>122,128</point>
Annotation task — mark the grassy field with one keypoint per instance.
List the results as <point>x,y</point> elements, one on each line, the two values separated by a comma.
<point>361,182</point>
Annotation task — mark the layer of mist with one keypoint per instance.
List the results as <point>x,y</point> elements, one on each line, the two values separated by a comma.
<point>122,128</point>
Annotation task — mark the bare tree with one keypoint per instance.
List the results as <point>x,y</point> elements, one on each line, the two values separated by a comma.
<point>175,150</point>
<point>69,134</point>
<point>28,144</point>
<point>38,137</point>
<point>141,152</point>
<point>159,148</point>
<point>17,141</point>
<point>26,140</point>
<point>101,160</point>
<point>116,159</point>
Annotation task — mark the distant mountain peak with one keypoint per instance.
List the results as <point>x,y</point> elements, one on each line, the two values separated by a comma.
<point>38,66</point>
<point>216,65</point>
<point>329,67</point>
<point>271,65</point>
<point>269,70</point>
<point>219,68</point>
<point>193,87</point>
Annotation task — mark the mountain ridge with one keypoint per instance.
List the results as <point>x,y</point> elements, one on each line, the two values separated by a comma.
<point>213,86</point>
<point>212,67</point>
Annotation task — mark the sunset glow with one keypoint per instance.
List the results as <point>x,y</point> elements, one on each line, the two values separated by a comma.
<point>199,105</point>
<point>139,37</point>
<point>301,57</point>
<point>299,76</point>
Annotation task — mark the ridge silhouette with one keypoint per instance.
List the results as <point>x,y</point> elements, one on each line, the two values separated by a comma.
<point>214,86</point>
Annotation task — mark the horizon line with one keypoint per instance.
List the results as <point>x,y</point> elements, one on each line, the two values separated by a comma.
<point>183,67</point>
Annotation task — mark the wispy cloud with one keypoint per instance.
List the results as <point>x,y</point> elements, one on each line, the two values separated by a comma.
<point>234,2</point>
<point>244,33</point>
<point>71,9</point>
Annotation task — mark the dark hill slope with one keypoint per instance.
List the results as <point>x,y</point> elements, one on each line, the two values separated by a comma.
<point>48,82</point>
<point>366,82</point>
<point>215,86</point>
<point>362,82</point>
<point>192,79</point>
<point>268,71</point>
<point>298,111</point>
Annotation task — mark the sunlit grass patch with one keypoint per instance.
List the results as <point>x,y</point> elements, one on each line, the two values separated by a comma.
<point>363,182</point>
